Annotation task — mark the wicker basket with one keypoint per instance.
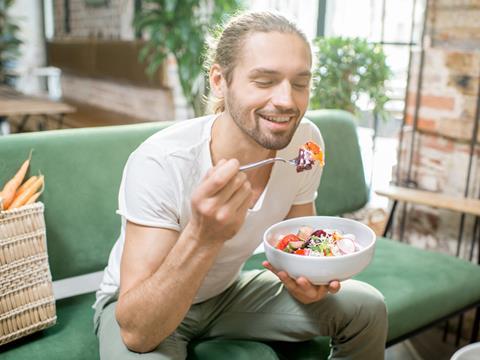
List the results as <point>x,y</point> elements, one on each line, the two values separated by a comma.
<point>26,295</point>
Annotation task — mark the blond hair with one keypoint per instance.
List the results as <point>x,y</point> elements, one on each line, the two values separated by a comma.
<point>225,48</point>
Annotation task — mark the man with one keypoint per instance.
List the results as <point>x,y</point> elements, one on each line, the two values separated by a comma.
<point>190,218</point>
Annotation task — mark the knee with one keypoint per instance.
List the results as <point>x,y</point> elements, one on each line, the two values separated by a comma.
<point>371,305</point>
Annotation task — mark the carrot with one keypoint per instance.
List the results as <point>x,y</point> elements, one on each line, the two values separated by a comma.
<point>27,194</point>
<point>36,195</point>
<point>25,185</point>
<point>10,188</point>
<point>33,198</point>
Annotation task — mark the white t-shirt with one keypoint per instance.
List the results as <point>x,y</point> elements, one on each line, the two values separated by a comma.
<point>160,176</point>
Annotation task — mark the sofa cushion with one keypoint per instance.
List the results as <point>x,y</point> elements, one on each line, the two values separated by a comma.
<point>230,349</point>
<point>420,287</point>
<point>70,338</point>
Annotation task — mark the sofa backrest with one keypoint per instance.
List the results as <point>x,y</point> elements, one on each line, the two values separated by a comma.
<point>342,188</point>
<point>83,168</point>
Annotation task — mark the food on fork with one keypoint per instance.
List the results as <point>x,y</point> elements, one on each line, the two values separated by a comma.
<point>307,155</point>
<point>322,242</point>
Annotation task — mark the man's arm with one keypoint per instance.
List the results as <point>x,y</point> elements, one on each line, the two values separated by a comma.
<point>161,270</point>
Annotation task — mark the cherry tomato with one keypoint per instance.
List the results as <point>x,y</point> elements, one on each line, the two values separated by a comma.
<point>282,244</point>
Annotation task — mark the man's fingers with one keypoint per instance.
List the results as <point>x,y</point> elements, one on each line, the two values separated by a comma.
<point>269,266</point>
<point>219,177</point>
<point>307,287</point>
<point>282,275</point>
<point>213,168</point>
<point>246,200</point>
<point>287,281</point>
<point>235,192</point>
<point>242,198</point>
<point>237,205</point>
<point>334,287</point>
<point>303,286</point>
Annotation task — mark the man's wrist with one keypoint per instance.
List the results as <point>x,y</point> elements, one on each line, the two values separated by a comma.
<point>193,235</point>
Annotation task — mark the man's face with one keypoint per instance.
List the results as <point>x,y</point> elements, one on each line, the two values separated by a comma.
<point>269,90</point>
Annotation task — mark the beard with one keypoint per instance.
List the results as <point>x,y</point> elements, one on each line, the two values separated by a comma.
<point>270,141</point>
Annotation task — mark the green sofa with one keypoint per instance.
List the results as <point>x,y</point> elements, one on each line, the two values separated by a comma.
<point>83,169</point>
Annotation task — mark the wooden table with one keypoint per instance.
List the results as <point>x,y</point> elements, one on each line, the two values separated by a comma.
<point>436,200</point>
<point>14,103</point>
<point>422,197</point>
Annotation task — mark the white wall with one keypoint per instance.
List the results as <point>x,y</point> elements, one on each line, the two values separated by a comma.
<point>33,55</point>
<point>303,12</point>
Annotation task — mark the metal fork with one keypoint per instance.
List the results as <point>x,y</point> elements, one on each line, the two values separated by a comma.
<point>267,161</point>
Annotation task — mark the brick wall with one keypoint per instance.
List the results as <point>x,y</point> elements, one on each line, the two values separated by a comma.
<point>100,22</point>
<point>446,119</point>
<point>113,21</point>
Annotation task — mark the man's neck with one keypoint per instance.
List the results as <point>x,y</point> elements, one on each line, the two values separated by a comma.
<point>228,142</point>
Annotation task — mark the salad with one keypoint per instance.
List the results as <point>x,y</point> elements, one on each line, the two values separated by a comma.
<point>307,155</point>
<point>322,242</point>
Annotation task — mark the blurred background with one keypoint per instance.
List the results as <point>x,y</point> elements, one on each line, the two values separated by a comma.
<point>409,70</point>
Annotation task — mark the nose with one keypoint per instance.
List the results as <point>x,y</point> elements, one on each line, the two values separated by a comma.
<point>282,96</point>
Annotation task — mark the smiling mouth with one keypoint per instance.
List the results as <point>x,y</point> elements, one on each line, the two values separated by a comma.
<point>277,118</point>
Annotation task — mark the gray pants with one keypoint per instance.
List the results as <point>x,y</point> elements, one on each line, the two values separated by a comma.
<point>258,307</point>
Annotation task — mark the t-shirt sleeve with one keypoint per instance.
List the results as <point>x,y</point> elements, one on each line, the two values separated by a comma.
<point>310,179</point>
<point>148,192</point>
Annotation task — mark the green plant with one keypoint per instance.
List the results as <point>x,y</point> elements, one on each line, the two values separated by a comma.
<point>9,42</point>
<point>180,27</point>
<point>348,68</point>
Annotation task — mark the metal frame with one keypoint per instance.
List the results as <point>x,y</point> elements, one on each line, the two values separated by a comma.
<point>408,181</point>
<point>66,20</point>
<point>473,143</point>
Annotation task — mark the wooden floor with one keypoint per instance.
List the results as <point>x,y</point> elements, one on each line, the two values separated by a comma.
<point>430,345</point>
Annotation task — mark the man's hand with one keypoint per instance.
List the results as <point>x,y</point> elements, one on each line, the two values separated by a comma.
<point>220,203</point>
<point>302,289</point>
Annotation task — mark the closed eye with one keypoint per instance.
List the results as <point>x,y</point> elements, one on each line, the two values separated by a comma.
<point>265,83</point>
<point>300,85</point>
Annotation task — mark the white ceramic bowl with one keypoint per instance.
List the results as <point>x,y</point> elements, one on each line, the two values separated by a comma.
<point>469,352</point>
<point>320,270</point>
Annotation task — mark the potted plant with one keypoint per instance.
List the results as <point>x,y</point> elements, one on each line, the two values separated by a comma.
<point>9,41</point>
<point>347,69</point>
<point>180,28</point>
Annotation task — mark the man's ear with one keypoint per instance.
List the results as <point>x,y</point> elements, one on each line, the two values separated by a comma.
<point>217,81</point>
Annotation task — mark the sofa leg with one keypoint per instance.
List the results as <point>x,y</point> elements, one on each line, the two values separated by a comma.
<point>459,330</point>
<point>390,218</point>
<point>445,331</point>
<point>476,321</point>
